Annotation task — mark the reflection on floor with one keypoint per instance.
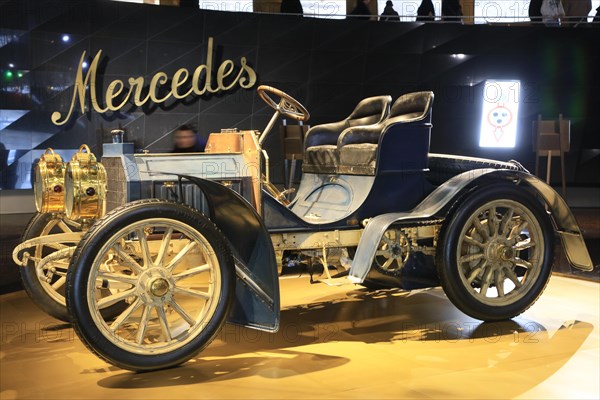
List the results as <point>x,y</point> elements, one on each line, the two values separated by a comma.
<point>335,342</point>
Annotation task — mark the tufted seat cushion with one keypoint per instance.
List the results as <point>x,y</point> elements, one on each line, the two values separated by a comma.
<point>358,159</point>
<point>325,156</point>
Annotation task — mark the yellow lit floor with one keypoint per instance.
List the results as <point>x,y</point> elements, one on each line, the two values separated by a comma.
<point>335,342</point>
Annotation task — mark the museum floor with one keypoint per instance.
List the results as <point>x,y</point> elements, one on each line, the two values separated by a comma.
<point>335,342</point>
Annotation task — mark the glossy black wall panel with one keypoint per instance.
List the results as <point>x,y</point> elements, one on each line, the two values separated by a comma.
<point>329,65</point>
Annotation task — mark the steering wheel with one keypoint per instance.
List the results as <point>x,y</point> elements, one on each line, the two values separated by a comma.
<point>286,105</point>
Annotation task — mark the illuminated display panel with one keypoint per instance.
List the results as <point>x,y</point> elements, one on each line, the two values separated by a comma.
<point>499,114</point>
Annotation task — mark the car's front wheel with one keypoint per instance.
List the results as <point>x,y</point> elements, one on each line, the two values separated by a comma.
<point>171,266</point>
<point>47,287</point>
<point>495,253</point>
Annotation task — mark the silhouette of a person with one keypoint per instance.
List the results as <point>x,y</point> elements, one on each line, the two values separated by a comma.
<point>426,12</point>
<point>291,7</point>
<point>451,10</point>
<point>361,11</point>
<point>389,14</point>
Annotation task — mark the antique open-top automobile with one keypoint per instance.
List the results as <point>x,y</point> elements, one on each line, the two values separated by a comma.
<point>191,241</point>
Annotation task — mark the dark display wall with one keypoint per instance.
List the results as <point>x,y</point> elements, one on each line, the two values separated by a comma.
<point>328,65</point>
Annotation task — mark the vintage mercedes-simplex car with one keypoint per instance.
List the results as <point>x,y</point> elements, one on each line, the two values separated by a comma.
<point>191,241</point>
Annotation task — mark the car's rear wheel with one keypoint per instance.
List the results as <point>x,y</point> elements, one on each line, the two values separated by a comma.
<point>172,267</point>
<point>495,253</point>
<point>391,256</point>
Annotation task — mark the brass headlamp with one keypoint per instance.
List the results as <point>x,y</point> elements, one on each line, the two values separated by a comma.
<point>85,184</point>
<point>49,183</point>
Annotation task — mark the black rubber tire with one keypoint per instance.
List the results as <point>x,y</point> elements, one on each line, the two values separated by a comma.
<point>443,167</point>
<point>82,264</point>
<point>447,267</point>
<point>31,282</point>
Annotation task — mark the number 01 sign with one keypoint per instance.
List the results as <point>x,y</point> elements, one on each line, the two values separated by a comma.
<point>499,115</point>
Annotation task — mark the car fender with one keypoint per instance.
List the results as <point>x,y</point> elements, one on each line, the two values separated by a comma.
<point>256,302</point>
<point>438,201</point>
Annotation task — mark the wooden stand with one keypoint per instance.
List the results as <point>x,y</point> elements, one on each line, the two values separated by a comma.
<point>293,148</point>
<point>552,138</point>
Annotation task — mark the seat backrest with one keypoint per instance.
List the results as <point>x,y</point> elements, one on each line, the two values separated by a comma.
<point>369,111</point>
<point>411,107</point>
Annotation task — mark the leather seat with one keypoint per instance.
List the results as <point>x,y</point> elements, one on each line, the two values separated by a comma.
<point>321,154</point>
<point>357,146</point>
